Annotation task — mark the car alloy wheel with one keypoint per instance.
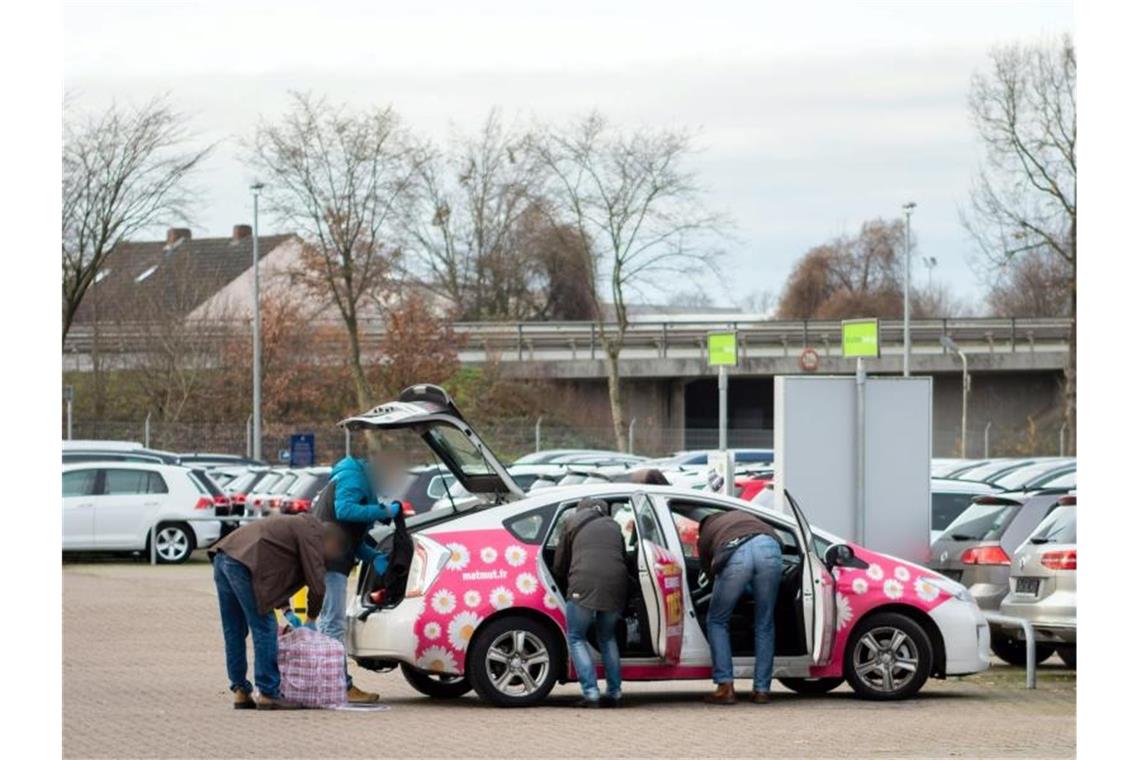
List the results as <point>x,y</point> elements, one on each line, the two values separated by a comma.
<point>172,544</point>
<point>514,661</point>
<point>518,662</point>
<point>889,656</point>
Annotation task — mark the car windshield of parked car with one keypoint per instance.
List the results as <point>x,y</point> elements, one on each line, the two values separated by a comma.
<point>1022,475</point>
<point>945,506</point>
<point>1060,527</point>
<point>982,522</point>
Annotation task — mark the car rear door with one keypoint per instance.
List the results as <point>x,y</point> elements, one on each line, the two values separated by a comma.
<point>818,590</point>
<point>79,489</point>
<point>661,577</point>
<point>126,507</point>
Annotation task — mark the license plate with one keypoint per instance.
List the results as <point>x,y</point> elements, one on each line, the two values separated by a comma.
<point>1027,586</point>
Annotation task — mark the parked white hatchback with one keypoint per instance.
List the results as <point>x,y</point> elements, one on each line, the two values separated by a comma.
<point>111,506</point>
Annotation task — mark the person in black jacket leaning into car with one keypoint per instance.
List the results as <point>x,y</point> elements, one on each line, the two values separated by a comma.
<point>589,564</point>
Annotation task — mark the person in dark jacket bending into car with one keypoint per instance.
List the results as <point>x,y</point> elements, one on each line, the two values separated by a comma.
<point>589,564</point>
<point>738,550</point>
<point>350,503</point>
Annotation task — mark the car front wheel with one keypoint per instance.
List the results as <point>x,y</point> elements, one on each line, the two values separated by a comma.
<point>514,662</point>
<point>888,656</point>
<point>435,685</point>
<point>173,543</point>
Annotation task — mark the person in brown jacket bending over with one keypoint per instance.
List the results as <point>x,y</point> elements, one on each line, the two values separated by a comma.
<point>257,568</point>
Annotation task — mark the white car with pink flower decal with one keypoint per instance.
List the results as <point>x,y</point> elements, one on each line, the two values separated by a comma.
<point>481,610</point>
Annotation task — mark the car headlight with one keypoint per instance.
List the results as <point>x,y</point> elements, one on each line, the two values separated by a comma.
<point>953,588</point>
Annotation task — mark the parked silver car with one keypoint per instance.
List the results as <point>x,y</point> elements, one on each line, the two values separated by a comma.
<point>1043,582</point>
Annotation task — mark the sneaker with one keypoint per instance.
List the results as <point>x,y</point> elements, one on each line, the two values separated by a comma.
<point>360,697</point>
<point>587,703</point>
<point>243,701</point>
<point>611,702</point>
<point>275,703</point>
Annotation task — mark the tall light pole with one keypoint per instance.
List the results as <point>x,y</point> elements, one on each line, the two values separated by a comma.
<point>949,344</point>
<point>930,262</point>
<point>908,208</point>
<point>256,187</point>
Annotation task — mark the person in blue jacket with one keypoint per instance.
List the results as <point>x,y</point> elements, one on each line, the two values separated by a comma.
<point>354,507</point>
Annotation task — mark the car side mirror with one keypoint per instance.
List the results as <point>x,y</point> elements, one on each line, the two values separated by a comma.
<point>841,555</point>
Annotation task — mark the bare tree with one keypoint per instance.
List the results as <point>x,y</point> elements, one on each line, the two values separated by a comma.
<point>338,178</point>
<point>124,170</point>
<point>1024,108</point>
<point>629,194</point>
<point>463,218</point>
<point>1034,284</point>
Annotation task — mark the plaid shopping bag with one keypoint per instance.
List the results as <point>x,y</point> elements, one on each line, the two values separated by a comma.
<point>312,668</point>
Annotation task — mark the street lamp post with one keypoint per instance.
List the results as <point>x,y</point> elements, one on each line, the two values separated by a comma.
<point>256,187</point>
<point>950,345</point>
<point>908,208</point>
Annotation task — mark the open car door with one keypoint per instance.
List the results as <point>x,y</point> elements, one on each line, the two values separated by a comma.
<point>660,574</point>
<point>818,591</point>
<point>429,411</point>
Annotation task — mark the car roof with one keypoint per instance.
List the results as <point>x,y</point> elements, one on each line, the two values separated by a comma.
<point>952,485</point>
<point>154,466</point>
<point>83,445</point>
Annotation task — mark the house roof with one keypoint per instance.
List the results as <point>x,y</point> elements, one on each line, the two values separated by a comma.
<point>177,274</point>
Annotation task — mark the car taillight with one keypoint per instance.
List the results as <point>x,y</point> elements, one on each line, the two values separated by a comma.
<point>985,555</point>
<point>1063,559</point>
<point>407,507</point>
<point>204,502</point>
<point>298,505</point>
<point>238,498</point>
<point>221,501</point>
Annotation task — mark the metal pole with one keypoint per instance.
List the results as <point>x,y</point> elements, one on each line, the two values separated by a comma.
<point>153,551</point>
<point>632,422</point>
<point>538,434</point>
<point>907,209</point>
<point>860,449</point>
<point>1062,452</point>
<point>722,416</point>
<point>347,443</point>
<point>965,396</point>
<point>986,441</point>
<point>69,419</point>
<point>146,431</point>
<point>249,436</point>
<point>256,434</point>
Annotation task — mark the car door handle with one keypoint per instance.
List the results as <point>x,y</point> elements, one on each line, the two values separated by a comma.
<point>150,503</point>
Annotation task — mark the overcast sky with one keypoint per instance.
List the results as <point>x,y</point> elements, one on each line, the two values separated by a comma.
<point>811,118</point>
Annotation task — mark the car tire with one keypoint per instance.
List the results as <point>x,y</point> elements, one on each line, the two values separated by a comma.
<point>435,685</point>
<point>1012,651</point>
<point>889,656</point>
<point>173,542</point>
<point>1068,655</point>
<point>514,662</point>
<point>811,685</point>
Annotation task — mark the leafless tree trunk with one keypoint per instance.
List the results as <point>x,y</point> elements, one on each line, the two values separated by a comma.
<point>338,178</point>
<point>631,198</point>
<point>1024,108</point>
<point>123,170</point>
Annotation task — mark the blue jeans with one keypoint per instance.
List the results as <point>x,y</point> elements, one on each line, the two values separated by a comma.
<point>756,563</point>
<point>238,606</point>
<point>332,620</point>
<point>578,621</point>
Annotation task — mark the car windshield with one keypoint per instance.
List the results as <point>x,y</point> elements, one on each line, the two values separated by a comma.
<point>982,522</point>
<point>945,506</point>
<point>1023,475</point>
<point>1060,527</point>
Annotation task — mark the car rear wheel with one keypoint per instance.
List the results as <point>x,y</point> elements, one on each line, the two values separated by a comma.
<point>1068,655</point>
<point>173,543</point>
<point>888,656</point>
<point>1013,652</point>
<point>514,662</point>
<point>435,685</point>
<point>811,685</point>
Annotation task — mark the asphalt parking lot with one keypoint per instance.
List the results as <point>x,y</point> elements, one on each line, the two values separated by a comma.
<point>143,676</point>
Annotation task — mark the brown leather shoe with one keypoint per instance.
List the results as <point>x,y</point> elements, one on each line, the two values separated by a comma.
<point>725,694</point>
<point>759,697</point>
<point>243,701</point>
<point>360,697</point>
<point>275,703</point>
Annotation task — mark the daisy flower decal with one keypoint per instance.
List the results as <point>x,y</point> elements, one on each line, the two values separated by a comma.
<point>902,574</point>
<point>438,659</point>
<point>501,598</point>
<point>460,628</point>
<point>527,584</point>
<point>550,601</point>
<point>926,590</point>
<point>843,612</point>
<point>892,588</point>
<point>874,572</point>
<point>859,585</point>
<point>459,558</point>
<point>443,601</point>
<point>515,555</point>
<point>472,598</point>
<point>488,554</point>
<point>432,630</point>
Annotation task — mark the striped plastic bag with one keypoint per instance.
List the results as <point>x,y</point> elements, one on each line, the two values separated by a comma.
<point>312,668</point>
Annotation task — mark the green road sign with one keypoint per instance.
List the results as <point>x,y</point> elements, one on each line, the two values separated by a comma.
<point>722,349</point>
<point>860,337</point>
